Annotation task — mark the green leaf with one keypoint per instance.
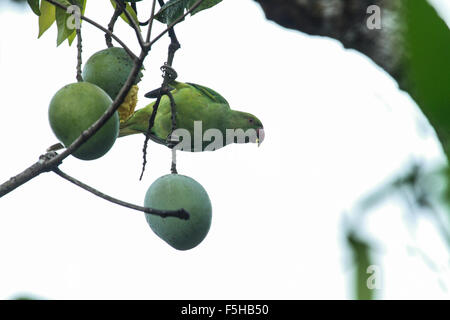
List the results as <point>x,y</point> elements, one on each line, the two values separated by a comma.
<point>34,5</point>
<point>427,40</point>
<point>131,11</point>
<point>61,21</point>
<point>72,37</point>
<point>171,11</point>
<point>46,18</point>
<point>362,261</point>
<point>174,9</point>
<point>206,4</point>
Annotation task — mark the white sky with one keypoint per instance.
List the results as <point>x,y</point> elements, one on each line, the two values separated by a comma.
<point>336,127</point>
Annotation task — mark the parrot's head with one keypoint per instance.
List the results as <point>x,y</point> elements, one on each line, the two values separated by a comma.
<point>247,124</point>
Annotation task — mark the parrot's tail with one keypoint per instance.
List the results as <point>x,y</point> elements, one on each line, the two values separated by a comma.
<point>127,131</point>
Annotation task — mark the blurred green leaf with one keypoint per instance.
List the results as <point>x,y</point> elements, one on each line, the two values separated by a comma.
<point>26,296</point>
<point>427,40</point>
<point>362,261</point>
<point>23,298</point>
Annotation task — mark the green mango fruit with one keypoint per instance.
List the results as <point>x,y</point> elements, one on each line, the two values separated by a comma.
<point>73,109</point>
<point>109,69</point>
<point>172,192</point>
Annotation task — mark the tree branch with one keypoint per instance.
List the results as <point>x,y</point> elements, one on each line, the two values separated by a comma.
<point>115,16</point>
<point>152,18</point>
<point>131,21</point>
<point>28,174</point>
<point>181,213</point>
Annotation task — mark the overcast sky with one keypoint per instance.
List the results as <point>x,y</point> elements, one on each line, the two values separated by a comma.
<point>336,128</point>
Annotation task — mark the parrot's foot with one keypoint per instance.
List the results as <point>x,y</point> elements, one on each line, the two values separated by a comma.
<point>157,92</point>
<point>157,139</point>
<point>169,75</point>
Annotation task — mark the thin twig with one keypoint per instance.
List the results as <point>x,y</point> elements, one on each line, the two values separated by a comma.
<point>174,44</point>
<point>95,24</point>
<point>173,47</point>
<point>173,168</point>
<point>152,18</point>
<point>134,7</point>
<point>181,213</point>
<point>79,58</point>
<point>143,24</point>
<point>172,142</point>
<point>132,22</point>
<point>115,16</point>
<point>151,122</point>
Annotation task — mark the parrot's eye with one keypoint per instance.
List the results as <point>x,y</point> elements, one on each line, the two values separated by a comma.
<point>250,120</point>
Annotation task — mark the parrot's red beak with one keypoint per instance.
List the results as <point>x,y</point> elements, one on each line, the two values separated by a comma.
<point>261,135</point>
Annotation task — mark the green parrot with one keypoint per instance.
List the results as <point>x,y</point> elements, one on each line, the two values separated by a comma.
<point>204,120</point>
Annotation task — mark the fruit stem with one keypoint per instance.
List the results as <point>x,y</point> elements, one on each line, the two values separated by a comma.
<point>79,57</point>
<point>181,213</point>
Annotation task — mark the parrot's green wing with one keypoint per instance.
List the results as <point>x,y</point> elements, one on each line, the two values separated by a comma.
<point>210,93</point>
<point>193,103</point>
